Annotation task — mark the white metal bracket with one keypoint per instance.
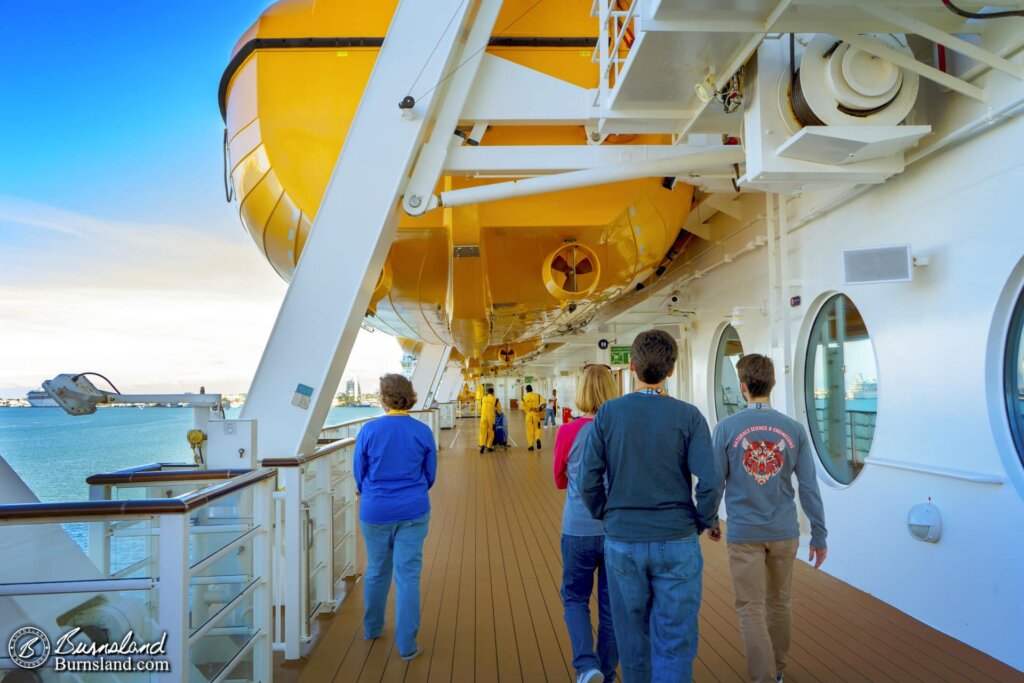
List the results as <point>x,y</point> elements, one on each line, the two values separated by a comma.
<point>354,228</point>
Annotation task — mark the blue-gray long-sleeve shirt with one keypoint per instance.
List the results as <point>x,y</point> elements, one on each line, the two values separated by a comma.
<point>759,450</point>
<point>649,447</point>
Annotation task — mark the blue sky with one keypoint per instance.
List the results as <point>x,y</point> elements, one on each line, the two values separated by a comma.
<point>111,106</point>
<point>113,224</point>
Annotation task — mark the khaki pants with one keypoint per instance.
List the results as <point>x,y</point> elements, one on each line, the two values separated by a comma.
<point>762,575</point>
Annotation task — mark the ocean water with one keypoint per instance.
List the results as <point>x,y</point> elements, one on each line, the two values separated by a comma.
<point>55,452</point>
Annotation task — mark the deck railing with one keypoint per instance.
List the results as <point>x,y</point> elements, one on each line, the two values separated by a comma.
<point>432,418</point>
<point>192,568</point>
<point>232,564</point>
<point>617,28</point>
<point>316,538</point>
<point>344,430</point>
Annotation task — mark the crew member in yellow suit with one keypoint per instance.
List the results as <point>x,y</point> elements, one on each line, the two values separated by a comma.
<point>489,409</point>
<point>533,404</point>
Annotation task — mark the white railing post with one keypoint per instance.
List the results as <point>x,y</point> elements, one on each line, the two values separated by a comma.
<point>294,553</point>
<point>173,610</point>
<point>263,518</point>
<point>603,49</point>
<point>99,532</point>
<point>324,540</point>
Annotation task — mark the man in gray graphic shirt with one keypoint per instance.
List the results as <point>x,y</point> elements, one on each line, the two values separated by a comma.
<point>759,450</point>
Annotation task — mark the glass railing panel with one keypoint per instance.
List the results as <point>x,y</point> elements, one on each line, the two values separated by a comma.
<point>317,558</point>
<point>219,523</point>
<point>218,646</point>
<point>134,547</point>
<point>75,551</point>
<point>243,668</point>
<point>220,582</point>
<point>171,489</point>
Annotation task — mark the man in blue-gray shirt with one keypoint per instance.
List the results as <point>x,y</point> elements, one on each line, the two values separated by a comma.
<point>759,450</point>
<point>649,445</point>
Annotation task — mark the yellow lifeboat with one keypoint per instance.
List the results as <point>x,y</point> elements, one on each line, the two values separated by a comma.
<point>534,265</point>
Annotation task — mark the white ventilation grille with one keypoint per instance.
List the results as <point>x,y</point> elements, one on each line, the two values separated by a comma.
<point>878,264</point>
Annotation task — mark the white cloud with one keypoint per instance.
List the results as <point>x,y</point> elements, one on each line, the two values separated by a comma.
<point>154,307</point>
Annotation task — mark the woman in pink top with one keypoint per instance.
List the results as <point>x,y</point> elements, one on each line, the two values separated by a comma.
<point>583,539</point>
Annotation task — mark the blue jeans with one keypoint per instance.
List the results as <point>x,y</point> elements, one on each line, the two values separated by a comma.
<point>549,416</point>
<point>581,557</point>
<point>397,546</point>
<point>655,590</point>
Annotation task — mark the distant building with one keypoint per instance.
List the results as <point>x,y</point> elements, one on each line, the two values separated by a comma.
<point>352,389</point>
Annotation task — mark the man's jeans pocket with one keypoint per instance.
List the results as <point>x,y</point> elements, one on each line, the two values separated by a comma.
<point>620,558</point>
<point>680,559</point>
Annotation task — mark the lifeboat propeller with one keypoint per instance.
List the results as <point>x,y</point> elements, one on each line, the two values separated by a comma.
<point>571,271</point>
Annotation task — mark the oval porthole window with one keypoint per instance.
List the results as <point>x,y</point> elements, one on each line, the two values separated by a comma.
<point>841,384</point>
<point>1014,376</point>
<point>728,399</point>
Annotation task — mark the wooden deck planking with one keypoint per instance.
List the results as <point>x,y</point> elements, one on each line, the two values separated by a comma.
<point>492,608</point>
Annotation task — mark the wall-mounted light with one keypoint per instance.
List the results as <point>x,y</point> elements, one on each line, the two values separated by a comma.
<point>925,523</point>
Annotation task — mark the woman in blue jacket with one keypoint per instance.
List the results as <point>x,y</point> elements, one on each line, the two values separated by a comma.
<point>395,465</point>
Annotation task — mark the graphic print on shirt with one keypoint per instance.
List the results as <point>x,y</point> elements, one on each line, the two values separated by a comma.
<point>763,459</point>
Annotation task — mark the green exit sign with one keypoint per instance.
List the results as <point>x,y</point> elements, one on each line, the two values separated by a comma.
<point>620,355</point>
<point>529,380</point>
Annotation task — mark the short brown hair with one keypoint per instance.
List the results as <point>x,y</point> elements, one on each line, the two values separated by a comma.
<point>758,373</point>
<point>596,387</point>
<point>654,354</point>
<point>396,392</point>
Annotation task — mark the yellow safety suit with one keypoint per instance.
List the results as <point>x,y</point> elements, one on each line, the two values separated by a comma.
<point>533,405</point>
<point>489,410</point>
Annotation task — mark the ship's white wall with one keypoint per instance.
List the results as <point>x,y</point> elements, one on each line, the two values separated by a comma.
<point>938,346</point>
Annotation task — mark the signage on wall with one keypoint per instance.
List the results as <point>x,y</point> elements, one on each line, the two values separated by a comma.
<point>529,379</point>
<point>620,355</point>
<point>603,344</point>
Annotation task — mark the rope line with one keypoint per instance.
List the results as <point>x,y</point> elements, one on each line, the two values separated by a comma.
<point>467,59</point>
<point>431,55</point>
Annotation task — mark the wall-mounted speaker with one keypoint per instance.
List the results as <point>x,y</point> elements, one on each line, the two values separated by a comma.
<point>875,265</point>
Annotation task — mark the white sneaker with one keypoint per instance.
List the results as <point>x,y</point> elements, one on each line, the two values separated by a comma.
<point>592,676</point>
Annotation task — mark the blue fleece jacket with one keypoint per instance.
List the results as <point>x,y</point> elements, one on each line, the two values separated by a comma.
<point>395,465</point>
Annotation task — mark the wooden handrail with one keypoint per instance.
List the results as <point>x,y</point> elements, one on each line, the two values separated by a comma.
<point>118,508</point>
<point>151,476</point>
<point>350,422</point>
<point>320,452</point>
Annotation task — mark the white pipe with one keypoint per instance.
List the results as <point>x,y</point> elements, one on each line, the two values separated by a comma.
<point>784,318</point>
<point>769,220</point>
<point>992,118</point>
<point>592,176</point>
<point>66,587</point>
